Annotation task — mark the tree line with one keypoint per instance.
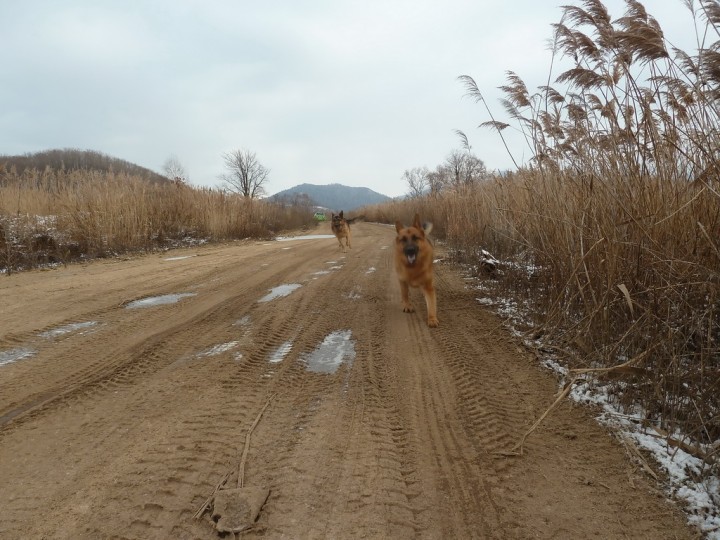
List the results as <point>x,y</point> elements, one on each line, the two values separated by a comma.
<point>461,168</point>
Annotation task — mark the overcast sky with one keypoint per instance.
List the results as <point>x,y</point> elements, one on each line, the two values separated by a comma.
<point>323,91</point>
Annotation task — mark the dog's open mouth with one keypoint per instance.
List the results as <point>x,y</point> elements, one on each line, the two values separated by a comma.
<point>411,257</point>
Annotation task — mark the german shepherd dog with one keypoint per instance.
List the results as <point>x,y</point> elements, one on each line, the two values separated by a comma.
<point>414,265</point>
<point>341,228</point>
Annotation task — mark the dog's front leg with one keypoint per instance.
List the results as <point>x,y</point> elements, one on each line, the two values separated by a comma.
<point>431,303</point>
<point>405,295</point>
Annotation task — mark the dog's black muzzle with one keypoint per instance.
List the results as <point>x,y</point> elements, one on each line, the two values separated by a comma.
<point>410,251</point>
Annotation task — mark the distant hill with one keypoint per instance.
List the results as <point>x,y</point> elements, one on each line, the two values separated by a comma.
<point>71,159</point>
<point>334,196</point>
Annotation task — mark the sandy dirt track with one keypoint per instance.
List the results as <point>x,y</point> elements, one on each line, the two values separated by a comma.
<point>120,422</point>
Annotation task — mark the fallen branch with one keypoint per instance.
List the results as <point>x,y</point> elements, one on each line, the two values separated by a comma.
<point>517,450</point>
<point>630,445</point>
<point>241,466</point>
<point>246,449</point>
<point>682,445</point>
<point>209,500</point>
<point>625,367</point>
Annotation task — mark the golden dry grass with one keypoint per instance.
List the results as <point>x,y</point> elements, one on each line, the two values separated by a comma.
<point>53,216</point>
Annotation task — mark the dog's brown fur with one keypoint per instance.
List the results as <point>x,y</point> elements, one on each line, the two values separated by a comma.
<point>341,228</point>
<point>414,265</point>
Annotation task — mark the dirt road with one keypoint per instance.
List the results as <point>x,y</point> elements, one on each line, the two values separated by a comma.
<point>118,419</point>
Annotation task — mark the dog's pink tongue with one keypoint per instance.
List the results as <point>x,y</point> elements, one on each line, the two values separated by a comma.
<point>411,259</point>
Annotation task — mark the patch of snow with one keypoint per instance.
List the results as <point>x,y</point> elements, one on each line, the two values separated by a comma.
<point>153,301</point>
<point>219,349</point>
<point>280,291</point>
<point>335,349</point>
<point>61,330</point>
<point>279,354</point>
<point>13,355</point>
<point>305,237</point>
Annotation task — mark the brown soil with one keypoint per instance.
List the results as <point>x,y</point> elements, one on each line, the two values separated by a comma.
<point>123,429</point>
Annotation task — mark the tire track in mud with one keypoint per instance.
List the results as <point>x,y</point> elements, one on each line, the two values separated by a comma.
<point>487,421</point>
<point>378,470</point>
<point>302,396</point>
<point>364,459</point>
<point>449,475</point>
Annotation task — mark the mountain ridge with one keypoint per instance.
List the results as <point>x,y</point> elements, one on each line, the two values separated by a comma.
<point>334,196</point>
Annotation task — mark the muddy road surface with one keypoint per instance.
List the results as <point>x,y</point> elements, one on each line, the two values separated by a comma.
<point>129,388</point>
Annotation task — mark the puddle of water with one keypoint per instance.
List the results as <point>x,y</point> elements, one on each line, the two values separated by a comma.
<point>321,273</point>
<point>281,352</point>
<point>178,258</point>
<point>384,247</point>
<point>305,237</point>
<point>219,349</point>
<point>13,355</point>
<point>331,353</point>
<point>61,330</point>
<point>336,267</point>
<point>277,292</point>
<point>153,301</point>
<point>330,262</point>
<point>370,270</point>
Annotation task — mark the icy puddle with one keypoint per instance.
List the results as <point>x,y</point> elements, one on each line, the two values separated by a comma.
<point>13,355</point>
<point>179,258</point>
<point>153,301</point>
<point>281,352</point>
<point>278,292</point>
<point>305,237</point>
<point>219,349</point>
<point>335,349</point>
<point>68,328</point>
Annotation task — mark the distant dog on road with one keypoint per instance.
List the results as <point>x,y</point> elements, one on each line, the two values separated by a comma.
<point>414,265</point>
<point>341,228</point>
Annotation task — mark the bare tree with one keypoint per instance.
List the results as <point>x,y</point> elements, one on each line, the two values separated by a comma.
<point>474,170</point>
<point>174,170</point>
<point>463,168</point>
<point>455,165</point>
<point>417,180</point>
<point>437,179</point>
<point>247,175</point>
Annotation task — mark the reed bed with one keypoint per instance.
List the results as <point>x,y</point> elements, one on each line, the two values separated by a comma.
<point>610,235</point>
<point>60,216</point>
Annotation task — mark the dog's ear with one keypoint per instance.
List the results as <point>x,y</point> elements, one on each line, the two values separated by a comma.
<point>398,226</point>
<point>341,214</point>
<point>427,227</point>
<point>416,222</point>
